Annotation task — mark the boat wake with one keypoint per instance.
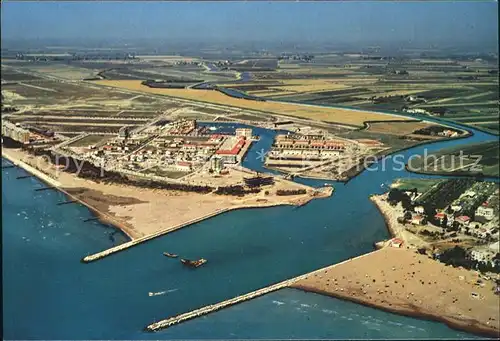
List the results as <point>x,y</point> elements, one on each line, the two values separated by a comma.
<point>150,294</point>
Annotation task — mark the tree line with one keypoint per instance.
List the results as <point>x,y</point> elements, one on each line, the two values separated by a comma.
<point>291,191</point>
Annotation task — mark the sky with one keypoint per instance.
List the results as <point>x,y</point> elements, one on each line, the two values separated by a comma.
<point>335,22</point>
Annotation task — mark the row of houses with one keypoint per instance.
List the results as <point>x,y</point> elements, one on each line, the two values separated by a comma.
<point>285,142</point>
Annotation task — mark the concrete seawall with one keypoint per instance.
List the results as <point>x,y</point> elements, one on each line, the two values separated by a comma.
<point>214,307</point>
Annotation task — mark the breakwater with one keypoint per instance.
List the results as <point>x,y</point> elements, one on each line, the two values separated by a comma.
<point>127,245</point>
<point>134,242</point>
<point>242,298</point>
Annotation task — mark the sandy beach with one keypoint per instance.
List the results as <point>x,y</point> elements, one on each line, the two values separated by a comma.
<point>405,282</point>
<point>140,212</point>
<point>395,228</point>
<point>402,281</point>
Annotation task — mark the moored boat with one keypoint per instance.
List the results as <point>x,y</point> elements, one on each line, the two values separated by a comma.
<point>171,255</point>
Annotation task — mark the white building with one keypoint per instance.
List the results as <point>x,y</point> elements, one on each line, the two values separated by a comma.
<point>183,166</point>
<point>470,194</point>
<point>486,212</point>
<point>245,132</point>
<point>228,158</point>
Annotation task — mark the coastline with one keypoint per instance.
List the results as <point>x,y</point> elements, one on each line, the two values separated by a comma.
<point>474,329</point>
<point>388,221</point>
<point>140,212</point>
<point>101,216</point>
<point>370,281</point>
<point>404,282</point>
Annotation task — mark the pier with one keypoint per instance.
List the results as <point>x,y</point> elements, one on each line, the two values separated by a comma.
<point>214,307</point>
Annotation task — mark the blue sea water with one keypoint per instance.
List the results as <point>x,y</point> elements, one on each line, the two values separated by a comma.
<point>49,294</point>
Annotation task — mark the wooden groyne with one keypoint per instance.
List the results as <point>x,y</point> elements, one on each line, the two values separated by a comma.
<point>214,307</point>
<point>90,219</point>
<point>8,166</point>
<point>46,188</point>
<point>24,176</point>
<point>67,202</point>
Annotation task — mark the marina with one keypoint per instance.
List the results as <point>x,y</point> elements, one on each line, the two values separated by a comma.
<point>309,261</point>
<point>250,171</point>
<point>351,200</point>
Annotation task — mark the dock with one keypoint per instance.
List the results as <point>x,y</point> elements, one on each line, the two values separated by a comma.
<point>214,307</point>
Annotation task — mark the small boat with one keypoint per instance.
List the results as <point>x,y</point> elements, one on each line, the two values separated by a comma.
<point>156,293</point>
<point>212,128</point>
<point>171,255</point>
<point>193,263</point>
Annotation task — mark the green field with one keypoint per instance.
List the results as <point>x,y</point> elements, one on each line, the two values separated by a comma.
<point>480,158</point>
<point>422,185</point>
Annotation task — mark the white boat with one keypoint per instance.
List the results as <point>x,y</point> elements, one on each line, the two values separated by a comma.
<point>212,128</point>
<point>157,293</point>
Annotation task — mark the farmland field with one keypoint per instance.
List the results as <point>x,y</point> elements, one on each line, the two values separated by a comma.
<point>341,116</point>
<point>90,140</point>
<point>397,128</point>
<point>462,159</point>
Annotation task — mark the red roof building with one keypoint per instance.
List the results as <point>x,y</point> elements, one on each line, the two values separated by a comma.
<point>233,151</point>
<point>396,242</point>
<point>463,219</point>
<point>440,215</point>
